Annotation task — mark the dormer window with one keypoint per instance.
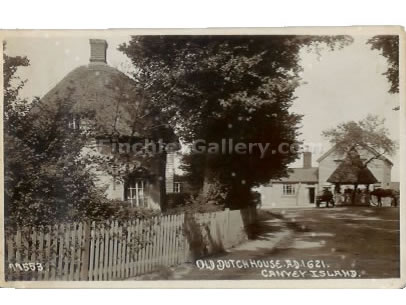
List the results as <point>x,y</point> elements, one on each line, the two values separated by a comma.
<point>73,121</point>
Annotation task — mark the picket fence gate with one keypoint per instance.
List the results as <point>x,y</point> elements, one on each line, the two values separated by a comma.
<point>113,250</point>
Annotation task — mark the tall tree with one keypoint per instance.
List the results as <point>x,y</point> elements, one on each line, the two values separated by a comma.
<point>389,47</point>
<point>368,134</point>
<point>227,87</point>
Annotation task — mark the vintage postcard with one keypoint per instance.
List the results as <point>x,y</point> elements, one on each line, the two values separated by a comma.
<point>238,158</point>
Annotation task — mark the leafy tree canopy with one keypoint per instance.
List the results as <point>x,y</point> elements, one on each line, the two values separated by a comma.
<point>227,87</point>
<point>366,133</point>
<point>389,47</point>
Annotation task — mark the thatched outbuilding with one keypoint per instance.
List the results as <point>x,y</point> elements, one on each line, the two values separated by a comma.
<point>352,171</point>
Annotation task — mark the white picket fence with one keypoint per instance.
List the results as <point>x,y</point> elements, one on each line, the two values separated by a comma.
<point>114,251</point>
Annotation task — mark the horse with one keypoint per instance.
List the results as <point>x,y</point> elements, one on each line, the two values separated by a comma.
<point>379,193</point>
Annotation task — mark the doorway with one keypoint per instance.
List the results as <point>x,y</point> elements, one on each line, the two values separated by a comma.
<point>311,194</point>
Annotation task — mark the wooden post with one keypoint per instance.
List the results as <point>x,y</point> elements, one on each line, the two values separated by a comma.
<point>227,227</point>
<point>85,252</point>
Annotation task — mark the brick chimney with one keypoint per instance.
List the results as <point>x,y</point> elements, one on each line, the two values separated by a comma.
<point>170,172</point>
<point>307,159</point>
<point>98,51</point>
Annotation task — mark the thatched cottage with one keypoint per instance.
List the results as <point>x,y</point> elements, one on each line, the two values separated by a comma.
<point>105,101</point>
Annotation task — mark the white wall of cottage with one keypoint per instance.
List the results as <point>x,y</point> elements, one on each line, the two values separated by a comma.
<point>272,195</point>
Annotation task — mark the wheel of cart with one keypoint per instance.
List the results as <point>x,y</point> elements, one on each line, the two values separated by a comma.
<point>325,197</point>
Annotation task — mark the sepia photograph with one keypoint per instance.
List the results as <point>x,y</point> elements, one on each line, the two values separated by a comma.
<point>207,157</point>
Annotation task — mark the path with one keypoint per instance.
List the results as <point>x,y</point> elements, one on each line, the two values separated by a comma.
<point>358,238</point>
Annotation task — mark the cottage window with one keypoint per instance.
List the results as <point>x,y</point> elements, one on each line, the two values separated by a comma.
<point>177,187</point>
<point>288,189</point>
<point>135,192</point>
<point>73,122</point>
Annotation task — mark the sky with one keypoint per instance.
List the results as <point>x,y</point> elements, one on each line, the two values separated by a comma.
<point>337,86</point>
<point>345,85</point>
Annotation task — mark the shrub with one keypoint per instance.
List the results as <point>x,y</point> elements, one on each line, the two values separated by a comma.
<point>194,204</point>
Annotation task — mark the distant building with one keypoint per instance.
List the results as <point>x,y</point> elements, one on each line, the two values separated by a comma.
<point>300,188</point>
<point>381,167</point>
<point>395,186</point>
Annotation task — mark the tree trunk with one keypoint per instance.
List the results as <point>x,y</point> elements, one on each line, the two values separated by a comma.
<point>235,195</point>
<point>239,196</point>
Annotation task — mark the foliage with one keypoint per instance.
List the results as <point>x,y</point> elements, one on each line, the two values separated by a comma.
<point>12,83</point>
<point>389,47</point>
<point>47,177</point>
<point>227,87</point>
<point>120,211</point>
<point>195,204</point>
<point>176,199</point>
<point>367,133</point>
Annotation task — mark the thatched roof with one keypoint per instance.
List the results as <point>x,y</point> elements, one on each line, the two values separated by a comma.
<point>108,99</point>
<point>99,91</point>
<point>352,171</point>
<point>103,99</point>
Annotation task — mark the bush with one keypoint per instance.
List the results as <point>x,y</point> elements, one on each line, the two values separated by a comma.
<point>176,199</point>
<point>122,211</point>
<point>98,209</point>
<point>194,204</point>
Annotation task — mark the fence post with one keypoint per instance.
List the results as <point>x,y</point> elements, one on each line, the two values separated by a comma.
<point>84,274</point>
<point>227,227</point>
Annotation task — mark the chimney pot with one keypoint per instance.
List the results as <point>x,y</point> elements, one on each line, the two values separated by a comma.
<point>307,159</point>
<point>98,51</point>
